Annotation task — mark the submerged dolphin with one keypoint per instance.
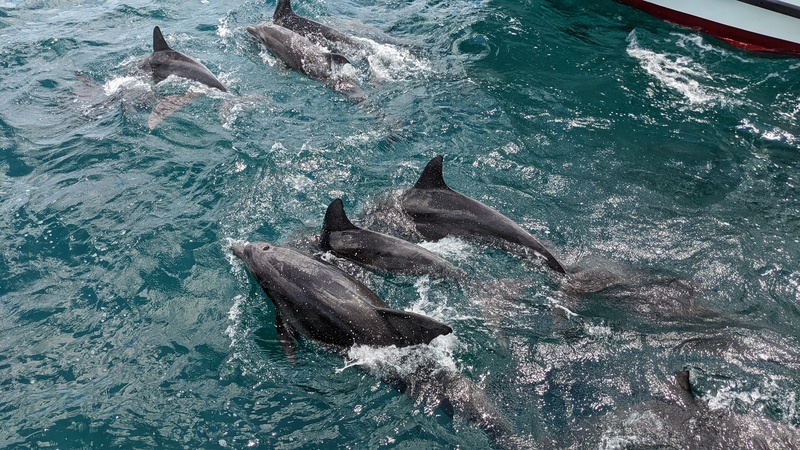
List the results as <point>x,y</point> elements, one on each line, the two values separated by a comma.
<point>681,420</point>
<point>165,62</point>
<point>319,34</point>
<point>379,251</point>
<point>302,55</point>
<point>315,299</point>
<point>439,211</point>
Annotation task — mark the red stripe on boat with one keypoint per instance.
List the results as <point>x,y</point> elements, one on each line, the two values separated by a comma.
<point>735,36</point>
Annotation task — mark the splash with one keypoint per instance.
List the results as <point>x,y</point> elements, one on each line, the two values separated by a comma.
<point>405,361</point>
<point>390,63</point>
<point>234,317</point>
<point>125,83</point>
<point>451,248</point>
<point>679,73</point>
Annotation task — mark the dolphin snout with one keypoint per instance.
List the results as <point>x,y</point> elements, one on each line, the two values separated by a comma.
<point>238,250</point>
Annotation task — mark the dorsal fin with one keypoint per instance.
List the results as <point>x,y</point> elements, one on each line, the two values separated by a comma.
<point>686,396</point>
<point>432,177</point>
<point>336,219</point>
<point>159,43</point>
<point>283,9</point>
<point>682,378</point>
<point>335,58</point>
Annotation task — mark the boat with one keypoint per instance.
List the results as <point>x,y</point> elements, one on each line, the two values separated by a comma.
<point>771,26</point>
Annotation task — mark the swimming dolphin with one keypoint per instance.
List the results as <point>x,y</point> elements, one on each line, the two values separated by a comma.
<point>438,211</point>
<point>681,420</point>
<point>322,35</point>
<point>302,55</point>
<point>315,299</point>
<point>165,62</point>
<point>379,251</point>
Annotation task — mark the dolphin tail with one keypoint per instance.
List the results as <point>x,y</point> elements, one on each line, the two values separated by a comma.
<point>412,328</point>
<point>169,106</point>
<point>159,43</point>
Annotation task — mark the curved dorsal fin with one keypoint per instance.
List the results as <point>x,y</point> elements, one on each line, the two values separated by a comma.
<point>432,177</point>
<point>335,58</point>
<point>682,378</point>
<point>283,9</point>
<point>336,219</point>
<point>159,43</point>
<point>685,386</point>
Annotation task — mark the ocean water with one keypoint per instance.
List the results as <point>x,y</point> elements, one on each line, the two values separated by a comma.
<point>618,140</point>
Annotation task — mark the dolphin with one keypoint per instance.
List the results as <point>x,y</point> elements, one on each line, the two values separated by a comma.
<point>379,251</point>
<point>318,33</point>
<point>165,62</point>
<point>302,55</point>
<point>438,211</point>
<point>681,420</point>
<point>315,299</point>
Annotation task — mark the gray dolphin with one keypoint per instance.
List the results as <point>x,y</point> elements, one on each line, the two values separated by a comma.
<point>681,420</point>
<point>439,211</point>
<point>165,62</point>
<point>302,55</point>
<point>318,33</point>
<point>315,299</point>
<point>379,251</point>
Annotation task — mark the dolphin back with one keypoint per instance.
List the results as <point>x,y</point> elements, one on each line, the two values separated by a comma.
<point>439,211</point>
<point>320,301</point>
<point>165,62</point>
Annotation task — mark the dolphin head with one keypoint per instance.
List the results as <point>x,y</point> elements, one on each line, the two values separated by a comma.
<point>260,258</point>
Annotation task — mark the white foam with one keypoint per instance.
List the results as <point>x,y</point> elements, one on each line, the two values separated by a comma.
<point>129,82</point>
<point>679,73</point>
<point>774,134</point>
<point>450,248</point>
<point>404,360</point>
<point>224,29</point>
<point>390,63</point>
<point>769,392</point>
<point>234,315</point>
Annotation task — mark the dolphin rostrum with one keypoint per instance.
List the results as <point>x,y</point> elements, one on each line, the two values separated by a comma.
<point>438,211</point>
<point>379,251</point>
<point>315,299</point>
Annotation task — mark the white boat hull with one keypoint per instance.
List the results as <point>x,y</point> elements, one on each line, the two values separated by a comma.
<point>760,25</point>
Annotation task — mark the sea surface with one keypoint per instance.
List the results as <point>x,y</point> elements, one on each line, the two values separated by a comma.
<point>621,142</point>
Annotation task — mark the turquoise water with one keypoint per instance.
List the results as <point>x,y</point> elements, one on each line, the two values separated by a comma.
<point>616,139</point>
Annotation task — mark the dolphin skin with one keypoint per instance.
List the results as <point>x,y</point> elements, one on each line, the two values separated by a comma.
<point>438,211</point>
<point>315,299</point>
<point>379,251</point>
<point>302,55</point>
<point>316,32</point>
<point>165,62</point>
